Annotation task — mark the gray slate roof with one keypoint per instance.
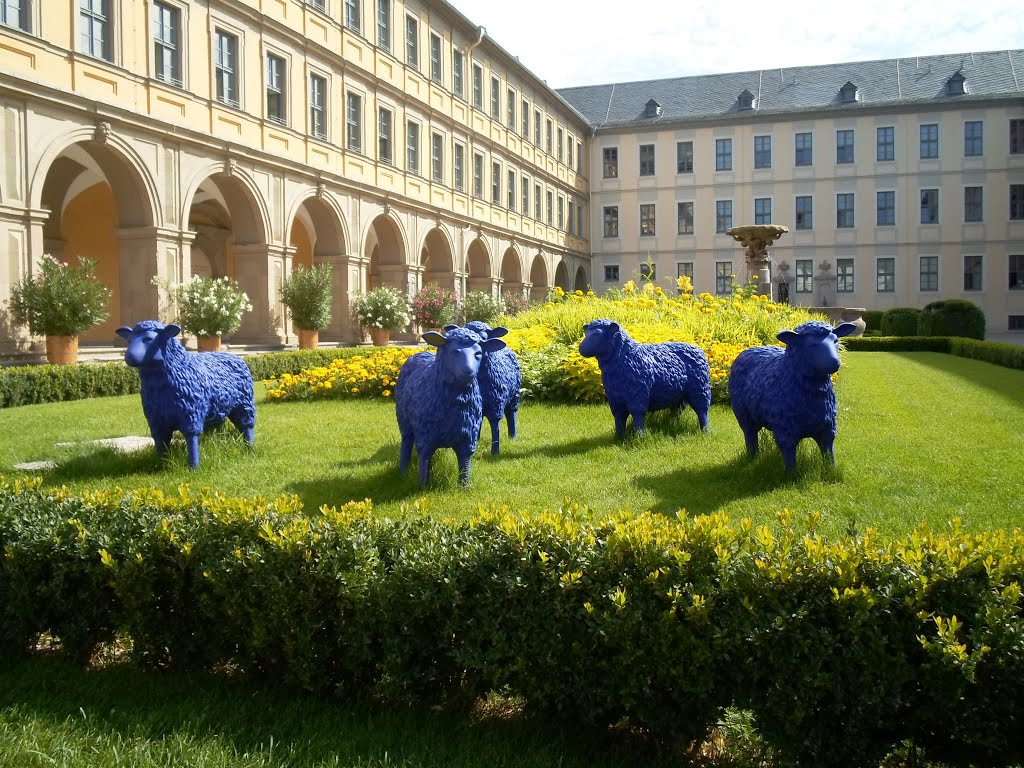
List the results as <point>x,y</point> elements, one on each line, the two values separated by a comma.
<point>993,74</point>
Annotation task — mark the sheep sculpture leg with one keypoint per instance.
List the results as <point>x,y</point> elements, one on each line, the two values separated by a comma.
<point>162,440</point>
<point>464,454</point>
<point>495,433</point>
<point>405,453</point>
<point>192,441</point>
<point>510,419</point>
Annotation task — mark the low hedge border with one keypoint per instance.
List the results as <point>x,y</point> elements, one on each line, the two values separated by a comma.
<point>842,649</point>
<point>995,352</point>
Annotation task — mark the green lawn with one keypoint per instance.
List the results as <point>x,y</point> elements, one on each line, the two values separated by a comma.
<point>922,437</point>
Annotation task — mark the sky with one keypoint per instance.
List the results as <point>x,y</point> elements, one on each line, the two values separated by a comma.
<point>588,42</point>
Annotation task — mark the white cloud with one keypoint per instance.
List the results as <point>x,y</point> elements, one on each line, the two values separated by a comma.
<point>600,41</point>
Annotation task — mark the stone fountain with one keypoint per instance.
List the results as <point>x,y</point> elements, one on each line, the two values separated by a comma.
<point>757,238</point>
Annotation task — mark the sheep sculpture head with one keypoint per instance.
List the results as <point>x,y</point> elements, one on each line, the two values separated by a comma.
<point>816,345</point>
<point>601,338</point>
<point>460,352</point>
<point>146,342</point>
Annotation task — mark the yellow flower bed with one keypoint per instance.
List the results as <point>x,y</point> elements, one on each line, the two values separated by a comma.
<point>370,375</point>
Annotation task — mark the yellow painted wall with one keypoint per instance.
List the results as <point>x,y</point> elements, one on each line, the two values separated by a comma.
<point>299,240</point>
<point>88,228</point>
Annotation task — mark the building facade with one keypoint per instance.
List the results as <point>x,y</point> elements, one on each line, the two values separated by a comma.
<point>901,181</point>
<point>391,139</point>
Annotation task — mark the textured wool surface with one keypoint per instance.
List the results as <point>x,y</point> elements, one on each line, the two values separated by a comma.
<point>438,402</point>
<point>501,382</point>
<point>640,378</point>
<point>789,391</point>
<point>186,391</point>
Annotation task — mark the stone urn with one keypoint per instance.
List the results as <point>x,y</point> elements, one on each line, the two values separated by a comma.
<point>380,336</point>
<point>308,339</point>
<point>208,343</point>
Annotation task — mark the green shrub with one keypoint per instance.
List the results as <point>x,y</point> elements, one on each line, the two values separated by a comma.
<point>952,317</point>
<point>1006,355</point>
<point>897,344</point>
<point>840,649</point>
<point>479,305</point>
<point>900,321</point>
<point>873,320</point>
<point>25,385</point>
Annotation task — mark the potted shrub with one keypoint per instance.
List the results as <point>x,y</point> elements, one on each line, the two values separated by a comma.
<point>59,303</point>
<point>307,292</point>
<point>208,308</point>
<point>482,306</point>
<point>433,307</point>
<point>382,310</point>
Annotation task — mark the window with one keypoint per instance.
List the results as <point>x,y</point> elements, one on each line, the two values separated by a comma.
<point>568,151</point>
<point>885,144</point>
<point>844,275</point>
<point>318,106</point>
<point>166,42</point>
<point>885,209</point>
<point>459,163</point>
<point>929,273</point>
<point>973,204</point>
<point>723,277</point>
<point>526,196</point>
<point>226,67</point>
<point>1015,322</point>
<point>762,210</point>
<point>844,147</point>
<point>973,138</point>
<point>723,215</point>
<point>885,275</point>
<point>275,89</point>
<point>412,42</point>
<point>1016,202</point>
<point>15,13</point>
<point>435,58</point>
<point>684,157</point>
<point>579,156</point>
<point>611,162</point>
<point>352,15</point>
<point>648,271</point>
<point>547,206</point>
<point>561,212</point>
<point>929,141</point>
<point>495,99</point>
<point>547,136</point>
<point>611,222</point>
<point>646,159</point>
<point>511,109</point>
<point>320,5</point>
<point>496,183</point>
<point>972,273</point>
<point>647,220</point>
<point>354,121</point>
<point>437,157</point>
<point>412,146</point>
<point>723,154</point>
<point>511,191</point>
<point>384,135</point>
<point>478,86</point>
<point>804,276</point>
<point>559,151</point>
<point>536,201</point>
<point>478,175</point>
<point>611,273</point>
<point>384,24</point>
<point>1016,272</point>
<point>762,151</point>
<point>525,109</point>
<point>929,206</point>
<point>684,218</point>
<point>95,22</point>
<point>844,210</point>
<point>804,149</point>
<point>804,212</point>
<point>1017,137</point>
<point>579,220</point>
<point>684,269</point>
<point>458,71</point>
<point>536,127</point>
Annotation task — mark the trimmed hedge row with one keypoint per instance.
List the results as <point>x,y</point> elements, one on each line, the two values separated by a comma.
<point>841,648</point>
<point>995,352</point>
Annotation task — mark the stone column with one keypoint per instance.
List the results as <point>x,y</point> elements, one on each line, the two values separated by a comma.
<point>259,270</point>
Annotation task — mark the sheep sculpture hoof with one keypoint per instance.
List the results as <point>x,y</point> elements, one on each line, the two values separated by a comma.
<point>788,391</point>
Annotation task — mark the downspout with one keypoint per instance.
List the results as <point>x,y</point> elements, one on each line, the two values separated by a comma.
<point>481,31</point>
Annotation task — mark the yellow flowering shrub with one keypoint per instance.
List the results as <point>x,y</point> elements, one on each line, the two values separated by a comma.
<point>371,375</point>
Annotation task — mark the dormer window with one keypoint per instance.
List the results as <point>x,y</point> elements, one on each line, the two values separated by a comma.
<point>849,93</point>
<point>745,100</point>
<point>652,109</point>
<point>957,84</point>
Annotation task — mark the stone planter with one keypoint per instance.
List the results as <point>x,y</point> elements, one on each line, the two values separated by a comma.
<point>62,350</point>
<point>308,339</point>
<point>380,336</point>
<point>208,343</point>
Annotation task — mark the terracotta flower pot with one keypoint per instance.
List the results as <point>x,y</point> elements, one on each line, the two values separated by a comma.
<point>308,339</point>
<point>62,350</point>
<point>380,336</point>
<point>208,343</point>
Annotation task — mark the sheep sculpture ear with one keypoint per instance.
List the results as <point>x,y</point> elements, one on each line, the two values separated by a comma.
<point>449,327</point>
<point>434,338</point>
<point>492,345</point>
<point>495,333</point>
<point>787,336</point>
<point>844,329</point>
<point>169,331</point>
<point>125,332</point>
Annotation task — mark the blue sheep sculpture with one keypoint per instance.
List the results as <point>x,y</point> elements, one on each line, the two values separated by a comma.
<point>640,378</point>
<point>437,399</point>
<point>186,391</point>
<point>789,391</point>
<point>501,381</point>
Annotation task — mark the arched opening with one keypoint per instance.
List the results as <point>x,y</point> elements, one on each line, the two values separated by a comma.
<point>317,237</point>
<point>478,268</point>
<point>93,191</point>
<point>581,283</point>
<point>511,273</point>
<point>562,276</point>
<point>385,251</point>
<point>437,261</point>
<point>539,279</point>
